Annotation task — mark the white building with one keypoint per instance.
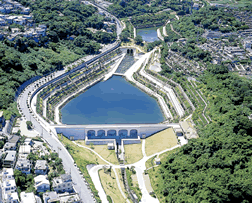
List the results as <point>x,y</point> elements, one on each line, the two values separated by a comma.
<point>41,167</point>
<point>42,183</point>
<point>11,198</point>
<point>24,166</point>
<point>8,186</point>
<point>7,174</point>
<point>63,183</point>
<point>29,198</point>
<point>25,149</point>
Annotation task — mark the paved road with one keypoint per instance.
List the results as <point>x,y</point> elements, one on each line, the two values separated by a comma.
<point>56,145</point>
<point>52,141</point>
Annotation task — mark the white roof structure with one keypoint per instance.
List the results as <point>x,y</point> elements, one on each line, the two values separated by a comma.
<point>27,197</point>
<point>11,197</point>
<point>41,179</point>
<point>25,149</point>
<point>7,173</point>
<point>9,184</point>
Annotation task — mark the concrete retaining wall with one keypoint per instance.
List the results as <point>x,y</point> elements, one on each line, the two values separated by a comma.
<point>77,132</point>
<point>72,133</point>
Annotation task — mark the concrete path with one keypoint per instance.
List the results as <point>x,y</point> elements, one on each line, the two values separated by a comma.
<point>93,172</point>
<point>146,198</point>
<point>164,31</point>
<point>159,34</point>
<point>25,131</point>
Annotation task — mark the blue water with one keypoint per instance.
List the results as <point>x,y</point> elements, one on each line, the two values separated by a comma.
<point>112,101</point>
<point>148,34</point>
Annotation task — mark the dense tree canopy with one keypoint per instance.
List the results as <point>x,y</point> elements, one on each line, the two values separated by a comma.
<point>217,166</point>
<point>24,57</point>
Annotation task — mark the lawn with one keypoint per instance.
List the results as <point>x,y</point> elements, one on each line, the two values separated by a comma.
<point>110,187</point>
<point>150,162</point>
<point>133,153</point>
<point>108,155</point>
<point>160,141</point>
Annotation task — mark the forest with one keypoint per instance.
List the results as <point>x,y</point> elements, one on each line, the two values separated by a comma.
<point>217,166</point>
<point>128,8</point>
<point>150,19</point>
<point>25,58</point>
<point>212,18</point>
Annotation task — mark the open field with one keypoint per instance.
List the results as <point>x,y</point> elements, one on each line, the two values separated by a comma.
<point>148,163</point>
<point>108,155</point>
<point>160,141</point>
<point>133,153</point>
<point>110,186</point>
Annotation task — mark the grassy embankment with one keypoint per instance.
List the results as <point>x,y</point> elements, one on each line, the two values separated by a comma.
<point>160,141</point>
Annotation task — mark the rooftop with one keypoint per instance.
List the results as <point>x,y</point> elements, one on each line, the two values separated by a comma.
<point>10,156</point>
<point>28,197</point>
<point>41,164</point>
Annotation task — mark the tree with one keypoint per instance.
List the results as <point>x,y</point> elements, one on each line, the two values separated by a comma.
<point>29,125</point>
<point>139,40</point>
<point>1,144</point>
<point>124,36</point>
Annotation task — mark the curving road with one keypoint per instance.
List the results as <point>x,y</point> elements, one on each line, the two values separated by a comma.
<point>24,100</point>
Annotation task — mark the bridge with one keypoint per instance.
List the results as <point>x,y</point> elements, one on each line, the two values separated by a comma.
<point>111,131</point>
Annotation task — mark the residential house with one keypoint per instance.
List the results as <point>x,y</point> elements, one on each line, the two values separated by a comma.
<point>12,143</point>
<point>196,6</point>
<point>25,149</point>
<point>2,9</point>
<point>23,165</point>
<point>9,146</point>
<point>247,44</point>
<point>20,20</point>
<point>41,167</point>
<point>9,19</point>
<point>14,139</point>
<point>63,183</point>
<point>7,174</point>
<point>70,198</point>
<point>29,198</point>
<point>26,11</point>
<point>50,197</point>
<point>8,186</point>
<point>10,159</point>
<point>41,31</point>
<point>42,183</point>
<point>11,197</point>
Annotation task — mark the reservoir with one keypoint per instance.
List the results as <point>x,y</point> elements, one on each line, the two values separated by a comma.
<point>148,34</point>
<point>110,102</point>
